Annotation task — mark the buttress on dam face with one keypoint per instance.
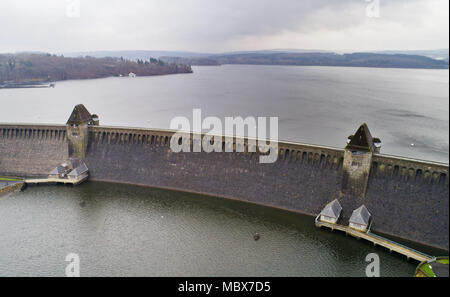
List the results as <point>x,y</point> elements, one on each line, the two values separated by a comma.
<point>407,198</point>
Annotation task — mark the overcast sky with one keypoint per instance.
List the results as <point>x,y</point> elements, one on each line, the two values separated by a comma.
<point>222,25</point>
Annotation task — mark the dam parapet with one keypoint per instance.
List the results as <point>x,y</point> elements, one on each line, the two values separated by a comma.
<point>408,197</point>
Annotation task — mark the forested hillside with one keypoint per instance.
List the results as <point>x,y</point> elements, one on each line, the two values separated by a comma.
<point>317,59</point>
<point>47,67</point>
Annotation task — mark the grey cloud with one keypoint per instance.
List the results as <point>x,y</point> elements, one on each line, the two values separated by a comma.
<point>200,24</point>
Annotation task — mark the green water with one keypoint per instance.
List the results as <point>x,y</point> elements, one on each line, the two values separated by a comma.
<point>121,230</point>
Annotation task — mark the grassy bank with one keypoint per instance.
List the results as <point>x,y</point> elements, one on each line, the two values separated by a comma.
<point>9,179</point>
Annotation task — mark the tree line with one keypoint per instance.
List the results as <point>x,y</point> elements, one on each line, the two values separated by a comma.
<point>47,67</point>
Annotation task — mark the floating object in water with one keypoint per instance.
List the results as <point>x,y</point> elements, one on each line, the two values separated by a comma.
<point>412,144</point>
<point>256,236</point>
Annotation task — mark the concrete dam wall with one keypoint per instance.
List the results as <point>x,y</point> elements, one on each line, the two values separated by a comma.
<point>407,198</point>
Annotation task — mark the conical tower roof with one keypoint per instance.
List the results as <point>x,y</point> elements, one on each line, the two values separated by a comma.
<point>362,140</point>
<point>80,115</point>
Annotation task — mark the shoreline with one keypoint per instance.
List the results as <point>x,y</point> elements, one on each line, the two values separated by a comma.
<point>27,85</point>
<point>333,66</point>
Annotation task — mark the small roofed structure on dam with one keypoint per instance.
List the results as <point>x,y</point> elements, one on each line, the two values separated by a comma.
<point>79,173</point>
<point>95,120</point>
<point>77,129</point>
<point>60,171</point>
<point>331,212</point>
<point>360,219</point>
<point>362,140</point>
<point>74,170</point>
<point>358,161</point>
<point>80,115</point>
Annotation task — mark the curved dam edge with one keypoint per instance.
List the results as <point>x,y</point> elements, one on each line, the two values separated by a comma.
<point>407,198</point>
<point>313,216</point>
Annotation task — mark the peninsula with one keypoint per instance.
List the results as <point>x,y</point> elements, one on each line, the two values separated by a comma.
<point>34,68</point>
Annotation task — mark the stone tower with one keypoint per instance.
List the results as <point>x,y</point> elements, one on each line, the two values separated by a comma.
<point>358,161</point>
<point>77,129</point>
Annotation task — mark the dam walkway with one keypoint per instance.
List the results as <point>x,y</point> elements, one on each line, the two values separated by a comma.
<point>53,180</point>
<point>377,240</point>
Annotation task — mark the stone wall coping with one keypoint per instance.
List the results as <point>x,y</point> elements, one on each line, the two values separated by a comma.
<point>407,161</point>
<point>282,143</point>
<point>31,126</point>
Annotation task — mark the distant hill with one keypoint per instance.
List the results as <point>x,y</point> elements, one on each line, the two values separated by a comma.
<point>27,67</point>
<point>316,59</point>
<point>428,59</point>
<point>146,54</point>
<point>134,54</point>
<point>439,54</point>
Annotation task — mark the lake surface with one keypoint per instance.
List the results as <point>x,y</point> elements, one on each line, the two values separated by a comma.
<point>407,108</point>
<point>133,231</point>
<point>122,230</point>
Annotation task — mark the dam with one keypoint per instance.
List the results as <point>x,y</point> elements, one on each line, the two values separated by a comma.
<point>408,198</point>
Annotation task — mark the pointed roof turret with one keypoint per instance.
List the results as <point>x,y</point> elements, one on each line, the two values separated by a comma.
<point>362,140</point>
<point>332,209</point>
<point>360,216</point>
<point>80,115</point>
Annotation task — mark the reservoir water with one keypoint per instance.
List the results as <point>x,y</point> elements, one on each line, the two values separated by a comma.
<point>122,230</point>
<point>407,108</point>
<point>137,231</point>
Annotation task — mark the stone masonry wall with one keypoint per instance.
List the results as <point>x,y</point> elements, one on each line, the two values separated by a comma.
<point>30,151</point>
<point>407,198</point>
